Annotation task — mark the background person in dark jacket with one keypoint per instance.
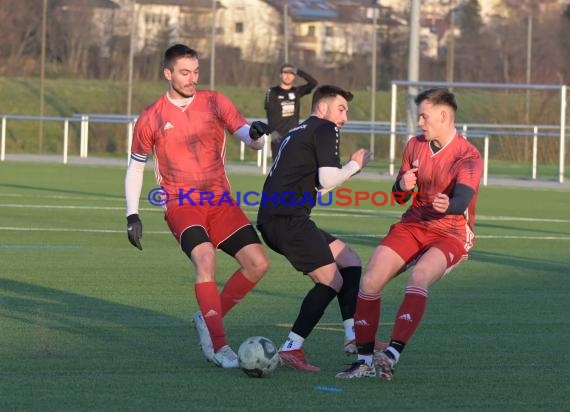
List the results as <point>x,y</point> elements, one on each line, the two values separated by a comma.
<point>283,103</point>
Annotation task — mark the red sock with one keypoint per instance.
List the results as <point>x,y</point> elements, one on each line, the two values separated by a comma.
<point>410,313</point>
<point>211,308</point>
<point>366,318</point>
<point>234,291</point>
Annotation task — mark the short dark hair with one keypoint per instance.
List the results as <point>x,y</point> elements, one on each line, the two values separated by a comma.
<point>439,96</point>
<point>326,91</point>
<point>176,52</point>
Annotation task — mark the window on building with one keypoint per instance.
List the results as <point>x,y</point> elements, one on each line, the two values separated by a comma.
<point>329,31</point>
<point>311,31</point>
<point>239,27</point>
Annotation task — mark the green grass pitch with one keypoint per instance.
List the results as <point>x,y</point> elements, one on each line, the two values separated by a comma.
<point>87,322</point>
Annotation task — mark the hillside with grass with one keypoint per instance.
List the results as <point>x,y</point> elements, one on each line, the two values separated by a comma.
<point>65,98</point>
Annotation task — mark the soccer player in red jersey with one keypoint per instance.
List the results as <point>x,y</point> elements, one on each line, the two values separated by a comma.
<point>433,236</point>
<point>185,132</point>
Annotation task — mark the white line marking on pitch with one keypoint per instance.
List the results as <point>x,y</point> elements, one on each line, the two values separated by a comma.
<point>61,229</point>
<point>352,213</point>
<point>165,232</point>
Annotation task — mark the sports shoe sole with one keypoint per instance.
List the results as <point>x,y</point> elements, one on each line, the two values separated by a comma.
<point>204,336</point>
<point>357,373</point>
<point>293,362</point>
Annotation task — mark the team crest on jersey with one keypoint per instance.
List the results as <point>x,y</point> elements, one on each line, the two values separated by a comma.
<point>167,126</point>
<point>291,96</point>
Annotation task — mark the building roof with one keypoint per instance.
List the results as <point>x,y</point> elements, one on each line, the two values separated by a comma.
<point>300,10</point>
<point>95,4</point>
<point>348,11</point>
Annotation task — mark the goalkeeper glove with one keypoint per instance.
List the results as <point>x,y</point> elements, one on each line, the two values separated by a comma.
<point>258,129</point>
<point>134,230</point>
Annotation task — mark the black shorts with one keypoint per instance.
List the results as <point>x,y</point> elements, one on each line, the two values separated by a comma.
<point>300,240</point>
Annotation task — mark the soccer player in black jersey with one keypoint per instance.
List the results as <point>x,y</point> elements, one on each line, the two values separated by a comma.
<point>307,164</point>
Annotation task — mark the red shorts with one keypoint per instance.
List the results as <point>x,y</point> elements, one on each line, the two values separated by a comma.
<point>410,240</point>
<point>220,221</point>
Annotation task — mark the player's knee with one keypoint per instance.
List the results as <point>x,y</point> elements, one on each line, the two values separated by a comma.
<point>351,258</point>
<point>345,257</point>
<point>369,284</point>
<point>327,275</point>
<point>254,261</point>
<point>258,267</point>
<point>204,259</point>
<point>421,278</point>
<point>334,282</point>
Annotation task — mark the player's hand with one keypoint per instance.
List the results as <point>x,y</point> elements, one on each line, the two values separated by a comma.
<point>408,180</point>
<point>134,230</point>
<point>441,202</point>
<point>258,129</point>
<point>361,156</point>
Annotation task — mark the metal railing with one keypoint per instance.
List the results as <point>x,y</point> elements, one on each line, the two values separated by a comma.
<point>470,130</point>
<point>562,89</point>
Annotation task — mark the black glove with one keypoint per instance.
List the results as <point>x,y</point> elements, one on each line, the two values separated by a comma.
<point>134,230</point>
<point>258,129</point>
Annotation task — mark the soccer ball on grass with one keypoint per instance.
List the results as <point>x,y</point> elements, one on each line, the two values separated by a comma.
<point>257,356</point>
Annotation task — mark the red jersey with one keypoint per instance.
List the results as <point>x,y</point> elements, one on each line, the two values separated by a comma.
<point>458,162</point>
<point>188,143</point>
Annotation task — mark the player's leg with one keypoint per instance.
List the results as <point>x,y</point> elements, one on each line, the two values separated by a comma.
<point>233,234</point>
<point>188,223</point>
<point>208,320</point>
<point>327,282</point>
<point>382,266</point>
<point>441,256</point>
<point>350,268</point>
<point>254,263</point>
<point>303,244</point>
<point>387,260</point>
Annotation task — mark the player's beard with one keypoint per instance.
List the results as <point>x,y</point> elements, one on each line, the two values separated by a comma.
<point>181,90</point>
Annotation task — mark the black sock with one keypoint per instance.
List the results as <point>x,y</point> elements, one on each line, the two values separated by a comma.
<point>397,345</point>
<point>312,309</point>
<point>349,291</point>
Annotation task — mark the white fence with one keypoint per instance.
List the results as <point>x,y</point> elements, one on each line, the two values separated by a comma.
<point>472,131</point>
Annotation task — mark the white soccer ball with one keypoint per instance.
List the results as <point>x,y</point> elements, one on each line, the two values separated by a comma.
<point>257,356</point>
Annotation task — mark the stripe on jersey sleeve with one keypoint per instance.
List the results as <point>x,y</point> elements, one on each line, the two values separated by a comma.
<point>139,157</point>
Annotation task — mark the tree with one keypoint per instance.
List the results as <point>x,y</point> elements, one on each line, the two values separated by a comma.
<point>21,23</point>
<point>472,44</point>
<point>564,35</point>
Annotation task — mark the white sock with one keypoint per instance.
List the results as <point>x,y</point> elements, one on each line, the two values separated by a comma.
<point>349,329</point>
<point>293,342</point>
<point>366,358</point>
<point>394,353</point>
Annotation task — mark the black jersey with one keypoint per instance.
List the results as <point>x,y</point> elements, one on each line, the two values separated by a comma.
<point>282,106</point>
<point>290,186</point>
